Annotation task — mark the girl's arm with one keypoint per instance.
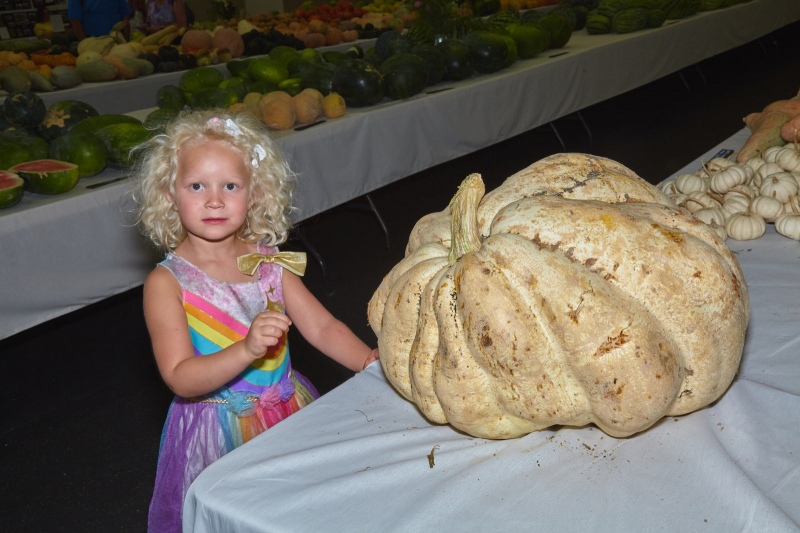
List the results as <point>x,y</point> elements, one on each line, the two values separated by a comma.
<point>321,329</point>
<point>180,13</point>
<point>183,372</point>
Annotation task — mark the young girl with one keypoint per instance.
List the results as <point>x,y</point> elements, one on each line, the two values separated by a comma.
<point>215,193</point>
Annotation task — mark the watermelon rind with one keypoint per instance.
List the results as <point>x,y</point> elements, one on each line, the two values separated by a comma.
<point>62,116</point>
<point>120,139</point>
<point>12,189</point>
<point>56,181</point>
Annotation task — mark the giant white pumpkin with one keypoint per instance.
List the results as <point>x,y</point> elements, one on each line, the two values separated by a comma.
<point>574,293</point>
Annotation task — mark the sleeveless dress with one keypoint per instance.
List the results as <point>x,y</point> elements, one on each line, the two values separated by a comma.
<point>198,431</point>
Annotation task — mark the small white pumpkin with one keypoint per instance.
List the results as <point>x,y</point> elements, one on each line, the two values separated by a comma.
<point>687,183</point>
<point>709,214</point>
<point>754,163</point>
<point>719,163</point>
<point>783,185</point>
<point>768,207</point>
<point>735,205</point>
<point>668,187</point>
<point>719,229</point>
<point>766,170</point>
<point>698,200</point>
<point>788,159</point>
<point>788,224</point>
<point>727,179</point>
<point>745,226</point>
<point>678,197</point>
<point>741,190</point>
<point>771,153</point>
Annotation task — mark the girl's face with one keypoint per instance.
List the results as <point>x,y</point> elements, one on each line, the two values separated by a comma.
<point>212,190</point>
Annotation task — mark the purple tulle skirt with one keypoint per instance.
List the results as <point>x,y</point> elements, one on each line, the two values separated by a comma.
<point>198,433</point>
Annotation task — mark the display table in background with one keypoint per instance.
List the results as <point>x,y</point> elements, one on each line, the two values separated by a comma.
<point>98,251</point>
<point>357,458</point>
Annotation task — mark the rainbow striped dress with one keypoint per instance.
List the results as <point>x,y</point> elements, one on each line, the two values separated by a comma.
<point>198,431</point>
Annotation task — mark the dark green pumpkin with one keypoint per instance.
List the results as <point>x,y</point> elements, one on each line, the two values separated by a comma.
<point>83,149</point>
<point>24,108</point>
<point>359,83</point>
<point>61,117</point>
<point>456,56</point>
<point>404,75</point>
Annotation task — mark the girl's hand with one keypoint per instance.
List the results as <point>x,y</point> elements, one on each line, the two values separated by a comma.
<point>265,331</point>
<point>374,356</point>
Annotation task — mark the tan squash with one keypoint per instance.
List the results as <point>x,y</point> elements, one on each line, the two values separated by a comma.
<point>574,293</point>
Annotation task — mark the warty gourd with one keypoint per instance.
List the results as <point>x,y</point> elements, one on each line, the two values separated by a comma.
<point>574,293</point>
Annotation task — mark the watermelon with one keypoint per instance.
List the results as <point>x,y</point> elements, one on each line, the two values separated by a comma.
<point>261,87</point>
<point>501,19</point>
<point>94,124</point>
<point>283,54</point>
<point>238,67</point>
<point>568,13</point>
<point>157,120</point>
<point>597,24</point>
<point>62,116</point>
<point>488,52</point>
<point>47,176</point>
<point>236,85</point>
<point>20,149</point>
<point>212,98</point>
<point>456,59</point>
<point>170,97</point>
<point>265,69</point>
<point>419,34</point>
<point>629,20</point>
<point>655,18</point>
<point>24,108</point>
<point>391,43</point>
<point>404,75</point>
<point>318,76</point>
<point>11,189</point>
<point>355,51</point>
<point>334,58</point>
<point>560,30</point>
<point>119,139</point>
<point>434,59</point>
<point>359,83</point>
<point>484,8</point>
<point>83,149</point>
<point>297,66</point>
<point>531,16</point>
<point>531,40</point>
<point>200,78</point>
<point>513,52</point>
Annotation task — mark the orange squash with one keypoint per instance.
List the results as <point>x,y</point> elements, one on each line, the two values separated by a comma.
<point>230,39</point>
<point>333,36</point>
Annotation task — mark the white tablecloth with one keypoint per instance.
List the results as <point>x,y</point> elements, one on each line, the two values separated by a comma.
<point>356,460</point>
<point>366,149</point>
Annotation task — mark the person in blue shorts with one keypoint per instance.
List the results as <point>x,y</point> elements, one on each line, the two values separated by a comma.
<point>92,18</point>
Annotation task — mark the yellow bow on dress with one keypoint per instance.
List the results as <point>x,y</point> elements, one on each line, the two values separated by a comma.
<point>294,262</point>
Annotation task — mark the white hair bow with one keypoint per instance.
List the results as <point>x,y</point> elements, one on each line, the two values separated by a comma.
<point>233,130</point>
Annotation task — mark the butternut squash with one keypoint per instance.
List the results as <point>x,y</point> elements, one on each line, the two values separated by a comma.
<point>790,129</point>
<point>790,107</point>
<point>766,128</point>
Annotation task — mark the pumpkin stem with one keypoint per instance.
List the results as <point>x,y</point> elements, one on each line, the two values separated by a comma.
<point>464,233</point>
<point>715,196</point>
<point>793,203</point>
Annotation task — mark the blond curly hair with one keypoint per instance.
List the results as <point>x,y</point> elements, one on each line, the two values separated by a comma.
<point>271,182</point>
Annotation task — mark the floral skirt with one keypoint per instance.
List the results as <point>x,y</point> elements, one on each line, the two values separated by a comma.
<point>198,431</point>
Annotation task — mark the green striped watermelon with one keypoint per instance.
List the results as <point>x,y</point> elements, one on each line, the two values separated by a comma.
<point>11,189</point>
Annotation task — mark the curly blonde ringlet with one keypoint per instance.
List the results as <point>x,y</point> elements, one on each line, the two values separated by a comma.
<point>271,182</point>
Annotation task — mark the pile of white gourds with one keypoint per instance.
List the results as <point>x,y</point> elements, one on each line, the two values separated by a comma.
<point>738,201</point>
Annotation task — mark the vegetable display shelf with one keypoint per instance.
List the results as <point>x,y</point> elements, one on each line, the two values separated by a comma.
<point>123,96</point>
<point>383,143</point>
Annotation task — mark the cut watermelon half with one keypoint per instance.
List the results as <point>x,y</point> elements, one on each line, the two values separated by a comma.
<point>11,189</point>
<point>47,176</point>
